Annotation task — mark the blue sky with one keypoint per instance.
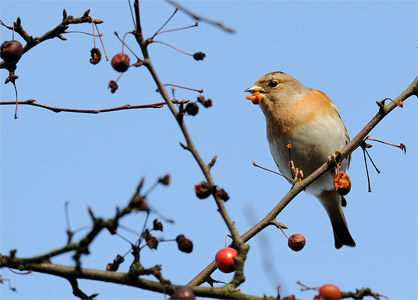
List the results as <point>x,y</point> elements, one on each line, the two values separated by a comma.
<point>356,52</point>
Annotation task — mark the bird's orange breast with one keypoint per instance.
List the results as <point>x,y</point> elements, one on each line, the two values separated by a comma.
<point>282,119</point>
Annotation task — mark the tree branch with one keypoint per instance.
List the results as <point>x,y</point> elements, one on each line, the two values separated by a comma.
<point>190,145</point>
<point>53,33</point>
<point>91,111</point>
<point>79,293</point>
<point>125,279</point>
<point>200,18</point>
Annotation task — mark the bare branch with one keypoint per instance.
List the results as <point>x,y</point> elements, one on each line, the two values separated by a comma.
<point>200,18</point>
<point>91,111</point>
<point>126,279</point>
<point>53,33</point>
<point>79,293</point>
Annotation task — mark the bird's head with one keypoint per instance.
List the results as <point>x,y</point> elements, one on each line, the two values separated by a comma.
<point>274,87</point>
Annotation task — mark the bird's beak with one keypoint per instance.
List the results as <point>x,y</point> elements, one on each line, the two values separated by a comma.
<point>257,94</point>
<point>255,88</point>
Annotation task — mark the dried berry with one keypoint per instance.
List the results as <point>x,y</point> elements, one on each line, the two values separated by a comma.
<point>184,245</point>
<point>113,86</point>
<point>146,234</point>
<point>120,62</point>
<point>199,56</point>
<point>296,242</point>
<point>183,293</point>
<point>151,241</point>
<point>96,56</point>
<point>11,51</point>
<point>222,194</point>
<point>329,292</point>
<point>224,259</point>
<point>203,190</point>
<point>164,180</point>
<point>192,108</point>
<point>156,225</point>
<point>342,183</point>
<point>206,103</point>
<point>113,267</point>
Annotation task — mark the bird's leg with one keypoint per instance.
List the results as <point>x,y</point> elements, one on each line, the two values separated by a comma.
<point>297,174</point>
<point>332,159</point>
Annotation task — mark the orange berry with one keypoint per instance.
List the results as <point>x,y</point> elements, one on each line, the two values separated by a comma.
<point>254,98</point>
<point>329,292</point>
<point>342,183</point>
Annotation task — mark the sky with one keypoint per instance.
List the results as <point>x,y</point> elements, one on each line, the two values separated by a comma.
<point>357,52</point>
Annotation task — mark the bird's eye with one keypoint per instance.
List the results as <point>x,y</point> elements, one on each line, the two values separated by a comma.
<point>273,83</point>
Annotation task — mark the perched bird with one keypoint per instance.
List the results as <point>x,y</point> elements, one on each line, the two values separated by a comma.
<point>304,126</point>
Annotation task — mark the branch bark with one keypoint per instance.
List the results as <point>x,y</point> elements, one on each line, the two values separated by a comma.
<point>190,145</point>
<point>72,273</point>
<point>90,111</point>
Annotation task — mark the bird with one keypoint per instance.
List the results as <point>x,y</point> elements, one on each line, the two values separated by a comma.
<point>304,130</point>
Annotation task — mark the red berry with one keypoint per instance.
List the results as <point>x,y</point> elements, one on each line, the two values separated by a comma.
<point>296,242</point>
<point>11,51</point>
<point>120,62</point>
<point>183,292</point>
<point>329,292</point>
<point>225,260</point>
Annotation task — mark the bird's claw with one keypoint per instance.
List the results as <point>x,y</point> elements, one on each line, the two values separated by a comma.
<point>333,159</point>
<point>296,173</point>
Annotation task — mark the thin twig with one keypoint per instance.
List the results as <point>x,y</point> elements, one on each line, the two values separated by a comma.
<point>172,47</point>
<point>178,29</point>
<point>53,33</point>
<point>367,171</point>
<point>274,172</point>
<point>165,23</point>
<point>132,13</point>
<point>200,18</point>
<point>91,111</point>
<point>184,88</point>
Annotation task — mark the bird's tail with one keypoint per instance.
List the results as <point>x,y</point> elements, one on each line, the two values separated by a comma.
<point>331,201</point>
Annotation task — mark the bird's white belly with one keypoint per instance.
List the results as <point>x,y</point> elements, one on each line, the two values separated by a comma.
<point>309,150</point>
